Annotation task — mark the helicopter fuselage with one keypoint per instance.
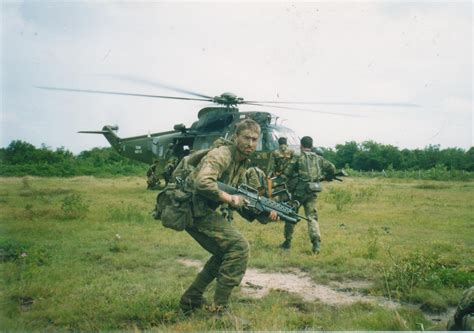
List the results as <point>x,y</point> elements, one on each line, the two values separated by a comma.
<point>212,123</point>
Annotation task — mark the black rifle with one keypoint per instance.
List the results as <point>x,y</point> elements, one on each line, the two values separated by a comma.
<point>285,211</point>
<point>340,173</point>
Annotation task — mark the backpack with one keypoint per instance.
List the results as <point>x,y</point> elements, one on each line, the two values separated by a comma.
<point>173,204</point>
<point>309,174</point>
<point>173,207</point>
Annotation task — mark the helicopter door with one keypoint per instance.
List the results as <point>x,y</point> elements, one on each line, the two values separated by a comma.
<point>157,147</point>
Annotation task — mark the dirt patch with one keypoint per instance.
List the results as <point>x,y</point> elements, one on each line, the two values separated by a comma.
<point>257,283</point>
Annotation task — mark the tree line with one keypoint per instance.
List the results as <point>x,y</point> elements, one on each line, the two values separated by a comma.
<point>373,156</point>
<point>21,158</point>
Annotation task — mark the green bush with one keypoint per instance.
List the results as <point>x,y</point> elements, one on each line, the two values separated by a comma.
<point>421,270</point>
<point>341,197</point>
<point>74,206</point>
<point>11,250</point>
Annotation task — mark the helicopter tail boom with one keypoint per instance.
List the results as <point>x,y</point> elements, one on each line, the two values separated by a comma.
<point>109,133</point>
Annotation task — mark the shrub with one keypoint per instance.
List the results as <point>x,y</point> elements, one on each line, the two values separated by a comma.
<point>424,270</point>
<point>340,197</point>
<point>11,250</point>
<point>366,193</point>
<point>74,206</point>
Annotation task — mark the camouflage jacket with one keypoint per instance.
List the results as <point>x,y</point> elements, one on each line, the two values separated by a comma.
<point>220,164</point>
<point>307,167</point>
<point>279,160</point>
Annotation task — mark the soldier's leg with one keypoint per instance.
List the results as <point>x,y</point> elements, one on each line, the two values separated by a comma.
<point>313,225</point>
<point>193,296</point>
<point>288,233</point>
<point>227,244</point>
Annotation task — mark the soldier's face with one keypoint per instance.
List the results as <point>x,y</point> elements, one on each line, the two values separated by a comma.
<point>246,142</point>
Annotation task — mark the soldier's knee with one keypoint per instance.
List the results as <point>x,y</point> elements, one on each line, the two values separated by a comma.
<point>242,248</point>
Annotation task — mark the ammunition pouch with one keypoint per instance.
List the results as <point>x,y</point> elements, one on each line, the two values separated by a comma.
<point>173,207</point>
<point>314,187</point>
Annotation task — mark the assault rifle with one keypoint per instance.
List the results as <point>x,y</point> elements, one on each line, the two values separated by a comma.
<point>340,173</point>
<point>285,211</point>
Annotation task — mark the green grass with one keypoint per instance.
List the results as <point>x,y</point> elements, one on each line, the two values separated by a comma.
<point>84,254</point>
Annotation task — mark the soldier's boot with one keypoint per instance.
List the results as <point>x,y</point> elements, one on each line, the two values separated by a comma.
<point>316,246</point>
<point>223,313</point>
<point>286,245</point>
<point>193,298</point>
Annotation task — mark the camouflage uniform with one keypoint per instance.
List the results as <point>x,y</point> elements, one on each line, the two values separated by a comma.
<point>255,178</point>
<point>152,177</point>
<point>229,249</point>
<point>169,168</point>
<point>303,169</point>
<point>279,160</point>
<point>463,319</point>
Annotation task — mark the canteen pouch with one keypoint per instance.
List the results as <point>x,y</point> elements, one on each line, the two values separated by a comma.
<point>173,207</point>
<point>315,187</point>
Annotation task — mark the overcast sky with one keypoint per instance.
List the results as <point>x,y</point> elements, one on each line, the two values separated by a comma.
<point>379,51</point>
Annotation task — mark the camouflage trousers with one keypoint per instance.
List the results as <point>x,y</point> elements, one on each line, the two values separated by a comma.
<point>309,204</point>
<point>230,253</point>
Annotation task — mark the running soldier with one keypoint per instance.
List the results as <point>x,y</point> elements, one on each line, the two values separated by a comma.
<point>229,249</point>
<point>304,173</point>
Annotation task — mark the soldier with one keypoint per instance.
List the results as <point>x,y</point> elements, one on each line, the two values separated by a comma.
<point>229,249</point>
<point>279,158</point>
<point>152,178</point>
<point>172,162</point>
<point>304,172</point>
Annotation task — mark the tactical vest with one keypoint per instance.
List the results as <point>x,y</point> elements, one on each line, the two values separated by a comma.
<point>309,168</point>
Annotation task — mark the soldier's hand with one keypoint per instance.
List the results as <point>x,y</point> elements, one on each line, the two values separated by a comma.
<point>273,216</point>
<point>238,201</point>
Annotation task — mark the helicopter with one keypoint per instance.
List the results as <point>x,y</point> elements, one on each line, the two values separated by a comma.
<point>157,149</point>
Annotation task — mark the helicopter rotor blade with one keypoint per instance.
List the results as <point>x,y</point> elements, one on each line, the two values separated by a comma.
<point>153,84</point>
<point>122,93</point>
<point>308,110</point>
<point>409,105</point>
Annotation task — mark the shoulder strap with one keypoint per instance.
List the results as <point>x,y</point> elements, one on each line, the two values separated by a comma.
<point>308,166</point>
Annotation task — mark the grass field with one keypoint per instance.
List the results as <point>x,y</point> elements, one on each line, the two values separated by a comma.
<point>84,254</point>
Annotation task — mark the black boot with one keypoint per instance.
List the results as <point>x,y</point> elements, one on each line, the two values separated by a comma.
<point>286,245</point>
<point>193,298</point>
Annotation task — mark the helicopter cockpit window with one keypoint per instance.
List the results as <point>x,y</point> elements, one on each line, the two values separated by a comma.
<point>288,134</point>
